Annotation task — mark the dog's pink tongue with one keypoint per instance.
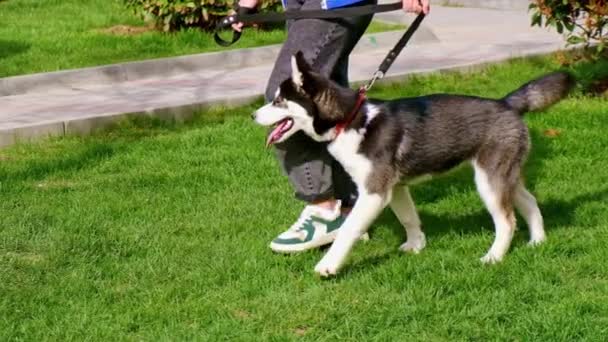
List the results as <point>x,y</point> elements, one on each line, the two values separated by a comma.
<point>276,133</point>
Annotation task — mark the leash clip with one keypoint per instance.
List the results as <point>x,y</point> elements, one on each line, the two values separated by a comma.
<point>378,75</point>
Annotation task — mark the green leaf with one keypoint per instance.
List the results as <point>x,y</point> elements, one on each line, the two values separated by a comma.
<point>537,19</point>
<point>575,40</point>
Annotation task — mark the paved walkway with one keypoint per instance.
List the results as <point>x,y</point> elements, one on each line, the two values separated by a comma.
<point>450,38</point>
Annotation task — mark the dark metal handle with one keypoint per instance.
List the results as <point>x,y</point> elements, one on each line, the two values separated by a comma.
<point>225,23</point>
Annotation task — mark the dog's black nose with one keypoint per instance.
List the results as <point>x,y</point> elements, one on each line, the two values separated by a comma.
<point>253,115</point>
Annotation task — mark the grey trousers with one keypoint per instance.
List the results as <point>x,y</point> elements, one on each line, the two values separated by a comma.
<point>326,44</point>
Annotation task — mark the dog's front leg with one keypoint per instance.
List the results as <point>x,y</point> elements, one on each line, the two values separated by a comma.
<point>366,209</point>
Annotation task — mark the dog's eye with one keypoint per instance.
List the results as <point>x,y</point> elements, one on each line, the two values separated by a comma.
<point>279,101</point>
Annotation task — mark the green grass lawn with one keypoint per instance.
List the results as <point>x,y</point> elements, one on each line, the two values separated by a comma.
<point>157,231</point>
<point>51,35</point>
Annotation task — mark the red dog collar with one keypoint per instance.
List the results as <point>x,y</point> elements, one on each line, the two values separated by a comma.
<point>341,125</point>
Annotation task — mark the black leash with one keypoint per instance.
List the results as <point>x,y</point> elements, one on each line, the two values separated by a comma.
<point>392,55</point>
<point>246,17</point>
<point>379,74</point>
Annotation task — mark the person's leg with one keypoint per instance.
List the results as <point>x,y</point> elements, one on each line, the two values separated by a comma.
<point>326,45</point>
<point>315,176</point>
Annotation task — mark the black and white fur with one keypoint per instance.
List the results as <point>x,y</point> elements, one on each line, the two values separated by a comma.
<point>389,144</point>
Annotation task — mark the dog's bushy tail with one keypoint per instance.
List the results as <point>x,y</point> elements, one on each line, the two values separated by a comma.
<point>541,92</point>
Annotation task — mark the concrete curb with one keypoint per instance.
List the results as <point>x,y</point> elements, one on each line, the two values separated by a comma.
<point>171,66</point>
<point>99,122</point>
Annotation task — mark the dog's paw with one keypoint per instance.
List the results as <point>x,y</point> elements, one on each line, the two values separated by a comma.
<point>364,237</point>
<point>490,259</point>
<point>326,269</point>
<point>535,241</point>
<point>413,245</point>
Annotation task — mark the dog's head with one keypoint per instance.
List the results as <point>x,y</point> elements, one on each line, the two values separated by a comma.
<point>308,102</point>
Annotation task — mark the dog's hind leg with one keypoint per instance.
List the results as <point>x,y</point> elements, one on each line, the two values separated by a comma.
<point>365,211</point>
<point>496,195</point>
<point>528,208</point>
<point>403,207</point>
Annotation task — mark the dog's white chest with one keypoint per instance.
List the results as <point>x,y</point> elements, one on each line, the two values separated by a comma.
<point>346,151</point>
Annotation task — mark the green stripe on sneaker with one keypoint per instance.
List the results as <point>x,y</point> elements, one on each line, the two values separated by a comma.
<point>310,229</point>
<point>310,232</point>
<point>331,225</point>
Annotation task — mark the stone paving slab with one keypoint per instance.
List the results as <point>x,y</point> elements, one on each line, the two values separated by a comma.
<point>92,106</point>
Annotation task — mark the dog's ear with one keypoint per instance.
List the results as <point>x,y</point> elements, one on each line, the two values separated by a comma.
<point>299,69</point>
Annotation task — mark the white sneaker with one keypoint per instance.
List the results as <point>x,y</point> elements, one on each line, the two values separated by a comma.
<point>315,227</point>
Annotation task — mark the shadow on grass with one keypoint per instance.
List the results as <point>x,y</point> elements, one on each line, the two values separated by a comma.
<point>588,72</point>
<point>89,156</point>
<point>10,47</point>
<point>557,213</point>
<point>113,140</point>
<point>461,181</point>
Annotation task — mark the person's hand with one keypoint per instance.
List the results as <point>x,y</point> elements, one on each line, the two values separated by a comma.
<point>417,6</point>
<point>238,27</point>
<point>245,6</point>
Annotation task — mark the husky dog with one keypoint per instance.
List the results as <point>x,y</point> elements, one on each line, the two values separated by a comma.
<point>385,145</point>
